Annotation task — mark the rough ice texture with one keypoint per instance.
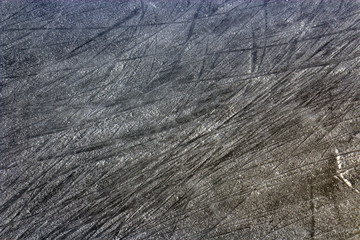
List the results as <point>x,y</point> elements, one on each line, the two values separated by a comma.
<point>178,119</point>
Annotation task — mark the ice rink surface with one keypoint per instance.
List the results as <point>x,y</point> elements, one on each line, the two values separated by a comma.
<point>175,119</point>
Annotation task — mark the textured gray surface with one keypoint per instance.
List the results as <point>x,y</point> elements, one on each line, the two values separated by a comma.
<point>180,119</point>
